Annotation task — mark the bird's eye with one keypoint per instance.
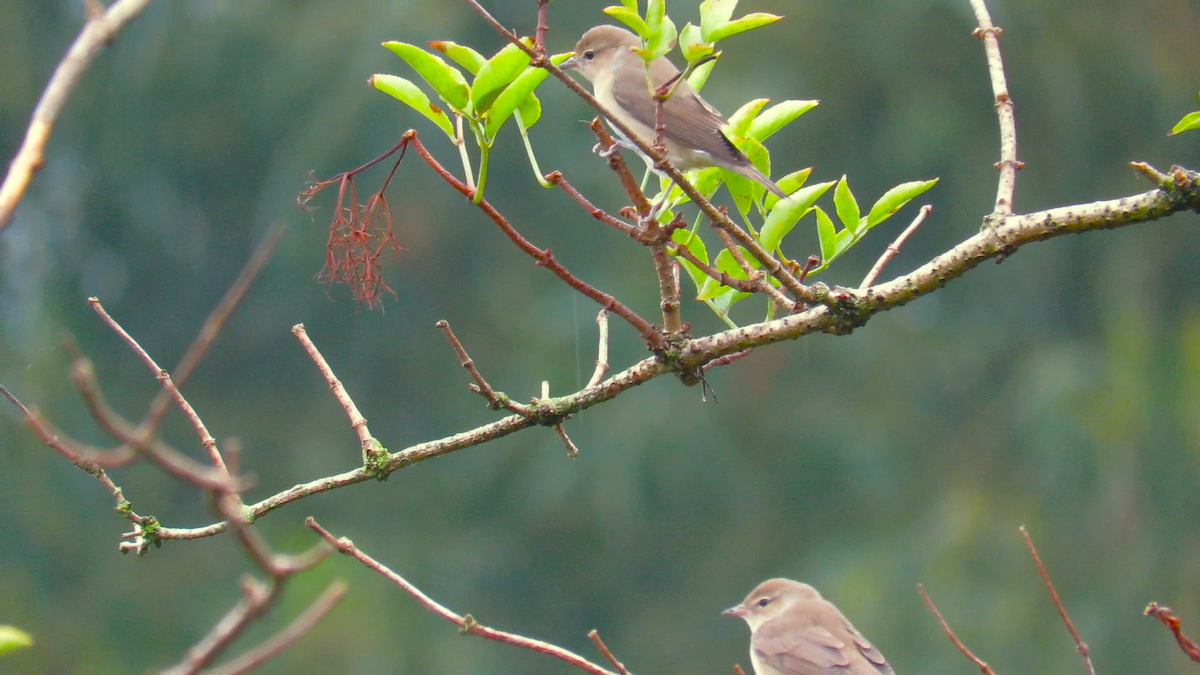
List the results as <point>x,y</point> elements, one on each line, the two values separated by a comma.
<point>763,602</point>
<point>589,55</point>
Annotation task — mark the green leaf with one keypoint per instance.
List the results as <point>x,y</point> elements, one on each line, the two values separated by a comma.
<point>411,94</point>
<point>531,111</point>
<point>630,18</point>
<point>447,81</point>
<point>893,199</point>
<point>748,22</point>
<point>778,116</point>
<point>1190,121</point>
<point>513,96</point>
<point>630,4</point>
<point>845,239</point>
<point>707,181</point>
<point>656,10</point>
<point>786,213</point>
<point>847,207</point>
<point>700,75</point>
<point>495,75</point>
<point>713,15</point>
<point>13,638</point>
<point>789,184</point>
<point>724,262</point>
<point>827,235</point>
<point>695,245</point>
<point>740,121</point>
<point>692,44</point>
<point>468,58</point>
<point>662,40</point>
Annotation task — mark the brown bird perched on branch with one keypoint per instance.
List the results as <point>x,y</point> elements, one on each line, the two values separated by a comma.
<point>691,127</point>
<point>794,631</point>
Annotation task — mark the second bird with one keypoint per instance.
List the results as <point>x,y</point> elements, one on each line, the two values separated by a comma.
<point>691,127</point>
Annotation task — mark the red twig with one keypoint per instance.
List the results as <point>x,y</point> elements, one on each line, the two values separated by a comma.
<point>608,149</point>
<point>983,667</point>
<point>466,623</point>
<point>1164,615</point>
<point>894,248</point>
<point>1080,646</point>
<point>594,636</point>
<point>495,400</point>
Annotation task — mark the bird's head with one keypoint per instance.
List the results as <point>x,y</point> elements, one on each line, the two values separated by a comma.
<point>600,50</point>
<point>770,599</point>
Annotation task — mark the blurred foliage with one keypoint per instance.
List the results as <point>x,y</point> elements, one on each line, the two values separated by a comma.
<point>1060,390</point>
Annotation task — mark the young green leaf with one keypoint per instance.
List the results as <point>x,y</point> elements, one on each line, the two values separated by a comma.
<point>827,235</point>
<point>630,5</point>
<point>662,39</point>
<point>781,219</point>
<point>531,111</point>
<point>655,11</point>
<point>447,81</point>
<point>468,58</point>
<point>748,22</point>
<point>778,116</point>
<point>713,15</point>
<point>512,97</point>
<point>740,121</point>
<point>695,245</point>
<point>1190,121</point>
<point>726,263</point>
<point>630,18</point>
<point>411,94</point>
<point>495,75</point>
<point>742,190</point>
<point>692,44</point>
<point>700,74</point>
<point>789,184</point>
<point>847,207</point>
<point>12,638</point>
<point>893,199</point>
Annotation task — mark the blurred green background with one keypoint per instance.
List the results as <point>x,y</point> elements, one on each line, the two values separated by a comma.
<point>1060,390</point>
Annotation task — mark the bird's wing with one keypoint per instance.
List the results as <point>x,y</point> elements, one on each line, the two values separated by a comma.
<point>687,118</point>
<point>810,651</point>
<point>815,651</point>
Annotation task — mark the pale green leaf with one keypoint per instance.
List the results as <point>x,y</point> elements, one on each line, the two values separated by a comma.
<point>513,96</point>
<point>778,116</point>
<point>531,111</point>
<point>692,44</point>
<point>827,235</point>
<point>468,58</point>
<point>495,75</point>
<point>662,40</point>
<point>446,80</point>
<point>847,207</point>
<point>1190,121</point>
<point>713,15</point>
<point>789,184</point>
<point>411,94</point>
<point>741,120</point>
<point>894,199</point>
<point>700,75</point>
<point>630,18</point>
<point>13,638</point>
<point>695,245</point>
<point>748,22</point>
<point>783,217</point>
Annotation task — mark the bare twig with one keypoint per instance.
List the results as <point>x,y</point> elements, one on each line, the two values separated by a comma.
<point>572,449</point>
<point>295,630</point>
<point>466,623</point>
<point>983,667</point>
<point>99,30</point>
<point>164,379</point>
<point>357,421</point>
<point>256,597</point>
<point>599,214</point>
<point>594,636</point>
<point>737,670</point>
<point>601,350</point>
<point>726,360</point>
<point>1080,646</point>
<point>1164,615</point>
<point>1008,164</point>
<point>495,400</point>
<point>608,150</point>
<point>894,248</point>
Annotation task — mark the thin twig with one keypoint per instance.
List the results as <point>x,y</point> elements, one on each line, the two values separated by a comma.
<point>285,638</point>
<point>99,30</point>
<point>737,669</point>
<point>495,400</point>
<point>466,623</point>
<point>756,278</point>
<point>725,360</point>
<point>894,248</point>
<point>983,667</point>
<point>164,378</point>
<point>601,350</point>
<point>357,421</point>
<point>256,597</point>
<point>608,150</point>
<point>1008,164</point>
<point>556,178</point>
<point>1168,619</point>
<point>572,449</point>
<point>1080,646</point>
<point>594,636</point>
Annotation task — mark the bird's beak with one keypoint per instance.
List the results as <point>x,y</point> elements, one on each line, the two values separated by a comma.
<point>734,611</point>
<point>570,64</point>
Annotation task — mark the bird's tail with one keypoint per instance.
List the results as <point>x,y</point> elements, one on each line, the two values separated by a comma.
<point>750,171</point>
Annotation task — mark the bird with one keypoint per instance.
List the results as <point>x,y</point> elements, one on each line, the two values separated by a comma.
<point>794,631</point>
<point>691,127</point>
